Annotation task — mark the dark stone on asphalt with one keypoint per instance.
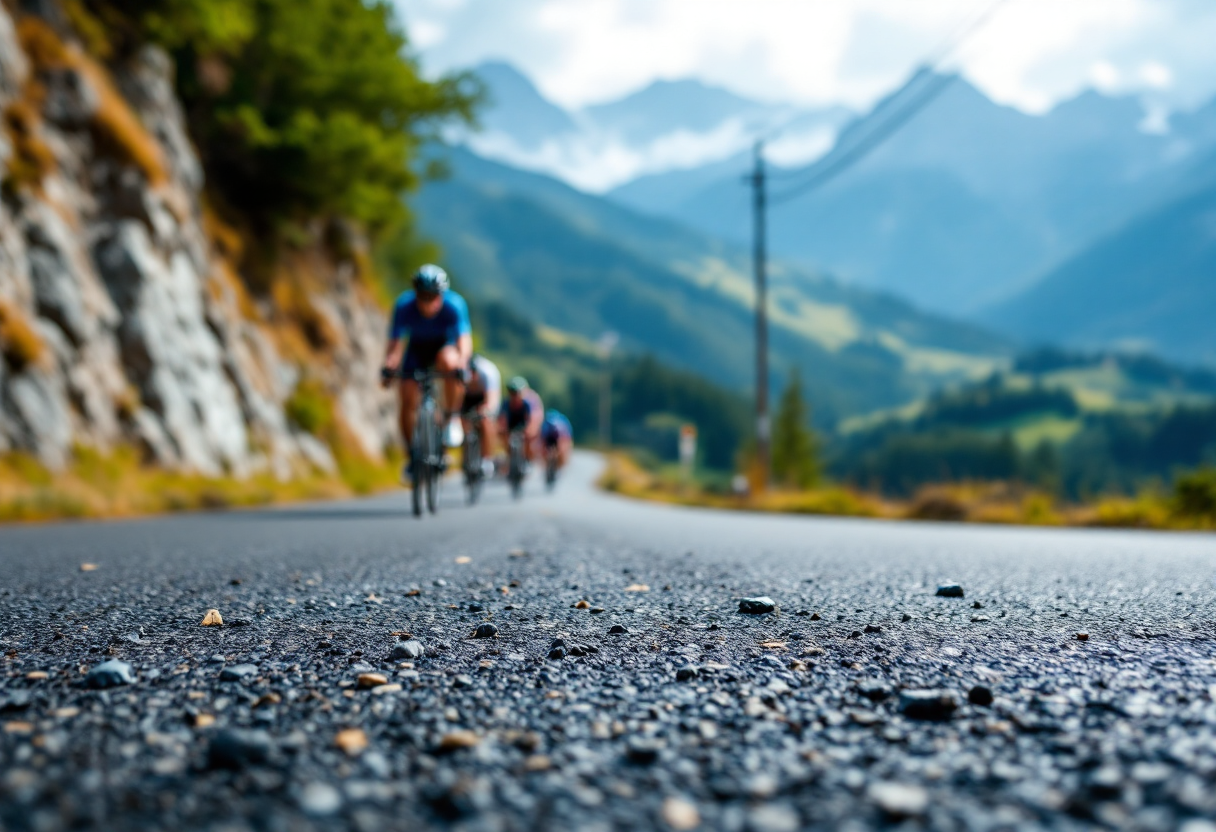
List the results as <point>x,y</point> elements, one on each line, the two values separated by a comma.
<point>617,629</point>
<point>873,628</point>
<point>687,673</point>
<point>905,618</point>
<point>407,650</point>
<point>109,674</point>
<point>16,700</point>
<point>949,590</point>
<point>236,748</point>
<point>980,695</point>
<point>874,692</point>
<point>239,622</point>
<point>475,607</point>
<point>935,705</point>
<point>759,605</point>
<point>486,630</point>
<point>557,653</point>
<point>238,672</point>
<point>642,751</point>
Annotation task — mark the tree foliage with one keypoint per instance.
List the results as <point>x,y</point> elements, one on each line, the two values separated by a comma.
<point>795,452</point>
<point>302,109</point>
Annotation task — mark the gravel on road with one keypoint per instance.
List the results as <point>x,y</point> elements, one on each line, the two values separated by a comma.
<point>581,662</point>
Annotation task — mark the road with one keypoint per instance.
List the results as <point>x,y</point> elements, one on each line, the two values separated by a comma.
<point>692,715</point>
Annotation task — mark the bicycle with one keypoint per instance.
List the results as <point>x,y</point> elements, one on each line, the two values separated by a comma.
<point>551,458</point>
<point>517,463</point>
<point>474,474</point>
<point>427,458</point>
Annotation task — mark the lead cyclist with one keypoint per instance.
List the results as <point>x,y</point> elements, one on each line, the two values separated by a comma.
<point>429,329</point>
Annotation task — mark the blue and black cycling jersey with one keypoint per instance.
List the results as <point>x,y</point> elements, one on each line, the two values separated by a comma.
<point>555,427</point>
<point>517,417</point>
<point>427,336</point>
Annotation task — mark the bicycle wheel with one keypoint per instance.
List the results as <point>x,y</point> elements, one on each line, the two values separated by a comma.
<point>472,465</point>
<point>515,470</point>
<point>436,468</point>
<point>420,471</point>
<point>418,468</point>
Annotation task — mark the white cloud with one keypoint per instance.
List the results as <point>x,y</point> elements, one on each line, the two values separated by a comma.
<point>1031,54</point>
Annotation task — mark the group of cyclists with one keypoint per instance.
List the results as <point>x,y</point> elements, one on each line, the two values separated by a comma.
<point>429,331</point>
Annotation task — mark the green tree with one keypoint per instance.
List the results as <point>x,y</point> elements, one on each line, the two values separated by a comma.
<point>301,109</point>
<point>795,451</point>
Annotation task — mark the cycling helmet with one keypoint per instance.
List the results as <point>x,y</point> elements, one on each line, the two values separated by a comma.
<point>431,279</point>
<point>517,385</point>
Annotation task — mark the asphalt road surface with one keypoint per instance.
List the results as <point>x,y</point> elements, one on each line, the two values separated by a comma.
<point>618,686</point>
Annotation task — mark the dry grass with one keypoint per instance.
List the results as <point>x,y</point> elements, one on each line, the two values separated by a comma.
<point>294,302</point>
<point>117,131</point>
<point>20,344</point>
<point>32,160</point>
<point>993,503</point>
<point>624,476</point>
<point>117,485</point>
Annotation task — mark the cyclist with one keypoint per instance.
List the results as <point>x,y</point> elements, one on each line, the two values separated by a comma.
<point>429,329</point>
<point>483,395</point>
<point>557,437</point>
<point>518,413</point>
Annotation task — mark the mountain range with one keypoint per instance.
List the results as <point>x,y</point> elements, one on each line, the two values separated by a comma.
<point>581,264</point>
<point>971,209</point>
<point>666,126</point>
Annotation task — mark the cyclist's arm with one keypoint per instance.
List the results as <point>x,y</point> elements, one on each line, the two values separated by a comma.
<point>460,331</point>
<point>464,346</point>
<point>393,353</point>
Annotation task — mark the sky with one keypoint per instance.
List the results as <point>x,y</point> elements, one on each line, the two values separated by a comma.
<point>1029,54</point>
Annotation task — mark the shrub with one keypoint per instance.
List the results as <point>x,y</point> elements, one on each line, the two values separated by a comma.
<point>1195,495</point>
<point>302,109</point>
<point>310,407</point>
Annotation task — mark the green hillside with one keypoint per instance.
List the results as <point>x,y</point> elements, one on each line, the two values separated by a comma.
<point>1079,424</point>
<point>582,265</point>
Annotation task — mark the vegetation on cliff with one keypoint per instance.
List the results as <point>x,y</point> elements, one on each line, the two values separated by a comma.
<point>301,109</point>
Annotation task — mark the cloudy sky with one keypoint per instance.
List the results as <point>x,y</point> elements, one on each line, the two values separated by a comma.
<point>1029,54</point>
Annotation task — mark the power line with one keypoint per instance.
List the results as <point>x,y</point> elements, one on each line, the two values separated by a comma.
<point>822,172</point>
<point>932,83</point>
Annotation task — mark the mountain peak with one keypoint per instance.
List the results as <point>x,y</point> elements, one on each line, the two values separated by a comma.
<point>517,108</point>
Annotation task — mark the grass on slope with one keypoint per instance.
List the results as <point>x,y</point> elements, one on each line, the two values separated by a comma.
<point>98,485</point>
<point>1001,503</point>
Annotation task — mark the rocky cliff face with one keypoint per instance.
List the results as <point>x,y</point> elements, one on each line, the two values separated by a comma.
<point>121,320</point>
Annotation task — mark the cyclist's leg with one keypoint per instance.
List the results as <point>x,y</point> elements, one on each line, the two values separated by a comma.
<point>564,445</point>
<point>486,429</point>
<point>447,360</point>
<point>408,397</point>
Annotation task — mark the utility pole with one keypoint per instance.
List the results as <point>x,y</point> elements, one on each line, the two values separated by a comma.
<point>605,345</point>
<point>760,263</point>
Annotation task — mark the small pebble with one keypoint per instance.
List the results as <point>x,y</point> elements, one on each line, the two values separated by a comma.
<point>486,630</point>
<point>899,800</point>
<point>407,650</point>
<point>212,619</point>
<point>371,680</point>
<point>759,605</point>
<point>949,590</point>
<point>927,704</point>
<point>353,741</point>
<point>109,675</point>
<point>980,695</point>
<point>679,814</point>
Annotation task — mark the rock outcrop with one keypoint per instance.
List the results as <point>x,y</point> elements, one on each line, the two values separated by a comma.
<point>121,321</point>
